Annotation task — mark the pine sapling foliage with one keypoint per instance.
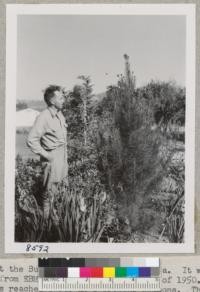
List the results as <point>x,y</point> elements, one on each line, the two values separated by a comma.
<point>128,149</point>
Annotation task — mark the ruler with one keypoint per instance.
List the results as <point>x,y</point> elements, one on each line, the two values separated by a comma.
<point>97,284</point>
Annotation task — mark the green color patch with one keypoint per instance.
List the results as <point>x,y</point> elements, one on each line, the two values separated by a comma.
<point>120,272</point>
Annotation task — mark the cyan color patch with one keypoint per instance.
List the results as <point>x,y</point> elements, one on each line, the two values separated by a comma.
<point>132,272</point>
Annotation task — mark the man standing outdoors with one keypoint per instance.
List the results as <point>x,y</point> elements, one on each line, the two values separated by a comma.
<point>48,139</point>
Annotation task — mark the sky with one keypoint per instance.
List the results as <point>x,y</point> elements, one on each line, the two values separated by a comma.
<point>56,49</point>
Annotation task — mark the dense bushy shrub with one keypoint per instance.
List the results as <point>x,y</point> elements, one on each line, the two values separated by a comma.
<point>20,105</point>
<point>167,100</point>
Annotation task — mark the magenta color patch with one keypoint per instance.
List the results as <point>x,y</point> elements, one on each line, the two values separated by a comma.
<point>85,272</point>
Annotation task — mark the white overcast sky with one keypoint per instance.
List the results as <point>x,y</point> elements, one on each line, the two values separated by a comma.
<point>56,49</point>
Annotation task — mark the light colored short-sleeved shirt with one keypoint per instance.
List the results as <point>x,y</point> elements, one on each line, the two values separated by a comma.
<point>48,132</point>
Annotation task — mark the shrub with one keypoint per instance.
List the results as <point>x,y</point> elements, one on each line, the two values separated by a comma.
<point>167,100</point>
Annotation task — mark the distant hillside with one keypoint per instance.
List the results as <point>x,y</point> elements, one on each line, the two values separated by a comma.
<point>97,99</point>
<point>99,96</point>
<point>37,105</point>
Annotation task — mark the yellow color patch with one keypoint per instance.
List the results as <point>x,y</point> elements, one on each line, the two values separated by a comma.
<point>108,272</point>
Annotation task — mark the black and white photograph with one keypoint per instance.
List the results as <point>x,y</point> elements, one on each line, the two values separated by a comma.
<point>100,106</point>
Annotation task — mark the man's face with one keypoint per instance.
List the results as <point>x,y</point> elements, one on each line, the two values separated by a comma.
<point>58,100</point>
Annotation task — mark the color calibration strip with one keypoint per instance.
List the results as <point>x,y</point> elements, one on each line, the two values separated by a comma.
<point>99,272</point>
<point>99,268</point>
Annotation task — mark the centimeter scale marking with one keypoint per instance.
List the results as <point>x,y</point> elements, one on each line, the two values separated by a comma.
<point>97,284</point>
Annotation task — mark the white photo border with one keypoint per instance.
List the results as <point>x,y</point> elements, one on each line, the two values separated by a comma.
<point>12,11</point>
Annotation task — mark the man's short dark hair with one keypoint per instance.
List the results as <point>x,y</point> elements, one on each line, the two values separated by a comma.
<point>49,93</point>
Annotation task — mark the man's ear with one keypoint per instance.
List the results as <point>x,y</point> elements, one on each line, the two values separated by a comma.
<point>52,100</point>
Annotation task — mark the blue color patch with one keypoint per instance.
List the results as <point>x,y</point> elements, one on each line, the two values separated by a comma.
<point>132,272</point>
<point>145,272</point>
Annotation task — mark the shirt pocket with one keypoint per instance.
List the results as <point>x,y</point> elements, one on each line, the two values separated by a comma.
<point>52,128</point>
